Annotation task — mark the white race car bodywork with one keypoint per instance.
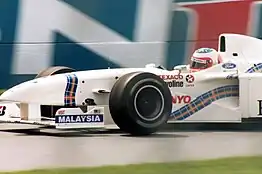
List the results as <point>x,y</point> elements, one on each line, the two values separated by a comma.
<point>227,92</point>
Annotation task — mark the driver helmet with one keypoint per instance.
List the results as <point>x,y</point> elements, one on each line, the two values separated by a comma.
<point>204,58</point>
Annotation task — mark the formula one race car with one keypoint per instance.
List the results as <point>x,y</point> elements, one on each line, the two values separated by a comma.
<point>140,100</point>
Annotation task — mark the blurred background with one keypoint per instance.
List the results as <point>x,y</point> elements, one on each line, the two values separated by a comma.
<point>92,34</point>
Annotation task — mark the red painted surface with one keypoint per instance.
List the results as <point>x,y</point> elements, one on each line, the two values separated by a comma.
<point>212,19</point>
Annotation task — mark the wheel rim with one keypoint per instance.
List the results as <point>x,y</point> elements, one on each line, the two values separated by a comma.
<point>149,103</point>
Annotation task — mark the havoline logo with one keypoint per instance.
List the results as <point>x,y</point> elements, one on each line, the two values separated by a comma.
<point>175,83</point>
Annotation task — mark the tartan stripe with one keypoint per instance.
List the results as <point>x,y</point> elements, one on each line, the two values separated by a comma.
<point>209,97</point>
<point>71,86</point>
<point>74,84</point>
<point>255,68</point>
<point>204,100</point>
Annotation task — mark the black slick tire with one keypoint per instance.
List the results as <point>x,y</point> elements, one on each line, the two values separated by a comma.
<point>140,103</point>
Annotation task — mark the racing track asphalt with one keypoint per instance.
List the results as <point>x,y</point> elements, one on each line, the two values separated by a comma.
<point>28,150</point>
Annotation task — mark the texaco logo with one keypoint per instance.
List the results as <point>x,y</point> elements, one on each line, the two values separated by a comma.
<point>190,78</point>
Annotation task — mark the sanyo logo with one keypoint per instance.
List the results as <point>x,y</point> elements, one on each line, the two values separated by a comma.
<point>38,20</point>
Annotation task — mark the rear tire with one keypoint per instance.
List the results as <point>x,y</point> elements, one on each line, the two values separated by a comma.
<point>140,103</point>
<point>46,110</point>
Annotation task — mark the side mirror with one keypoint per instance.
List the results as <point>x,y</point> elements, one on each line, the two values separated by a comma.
<point>150,65</point>
<point>180,67</point>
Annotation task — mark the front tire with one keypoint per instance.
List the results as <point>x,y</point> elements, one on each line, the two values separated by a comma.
<point>140,103</point>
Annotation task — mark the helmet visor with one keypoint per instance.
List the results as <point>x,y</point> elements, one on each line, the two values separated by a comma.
<point>198,63</point>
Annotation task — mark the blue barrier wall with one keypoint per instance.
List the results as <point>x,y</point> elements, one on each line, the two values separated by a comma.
<point>92,34</point>
<point>83,34</point>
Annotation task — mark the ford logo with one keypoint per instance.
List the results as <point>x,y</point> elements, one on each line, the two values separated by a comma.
<point>229,65</point>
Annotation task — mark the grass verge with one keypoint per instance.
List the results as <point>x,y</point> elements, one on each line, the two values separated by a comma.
<point>239,165</point>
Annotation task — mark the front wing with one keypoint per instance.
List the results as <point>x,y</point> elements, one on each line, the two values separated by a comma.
<point>65,118</point>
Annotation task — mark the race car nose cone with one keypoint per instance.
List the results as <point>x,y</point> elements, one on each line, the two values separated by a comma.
<point>47,91</point>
